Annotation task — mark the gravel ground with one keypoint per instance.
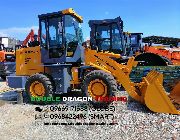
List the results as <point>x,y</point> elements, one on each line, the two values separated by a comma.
<point>135,121</point>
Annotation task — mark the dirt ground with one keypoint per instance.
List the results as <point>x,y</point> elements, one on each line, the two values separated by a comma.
<point>131,121</point>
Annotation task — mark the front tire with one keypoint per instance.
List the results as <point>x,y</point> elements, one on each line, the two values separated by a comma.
<point>38,85</point>
<point>98,83</point>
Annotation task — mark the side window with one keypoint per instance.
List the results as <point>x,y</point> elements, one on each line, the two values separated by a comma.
<point>133,39</point>
<point>55,34</point>
<point>103,39</point>
<point>116,38</point>
<point>52,35</point>
<point>106,34</point>
<point>71,33</point>
<point>43,33</point>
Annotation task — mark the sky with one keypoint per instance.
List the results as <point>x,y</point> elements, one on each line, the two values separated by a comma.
<point>151,17</point>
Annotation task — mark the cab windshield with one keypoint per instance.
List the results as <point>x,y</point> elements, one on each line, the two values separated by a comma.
<point>73,34</point>
<point>108,38</point>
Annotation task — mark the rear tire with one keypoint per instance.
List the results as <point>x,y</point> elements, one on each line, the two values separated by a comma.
<point>169,62</point>
<point>150,59</point>
<point>102,80</point>
<point>39,85</point>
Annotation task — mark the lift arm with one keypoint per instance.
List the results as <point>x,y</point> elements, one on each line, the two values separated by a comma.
<point>149,92</point>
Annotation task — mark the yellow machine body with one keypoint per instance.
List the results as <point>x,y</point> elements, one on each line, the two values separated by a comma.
<point>28,61</point>
<point>149,92</point>
<point>175,93</point>
<point>155,97</point>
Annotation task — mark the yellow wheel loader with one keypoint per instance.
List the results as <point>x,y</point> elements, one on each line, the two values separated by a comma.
<point>61,64</point>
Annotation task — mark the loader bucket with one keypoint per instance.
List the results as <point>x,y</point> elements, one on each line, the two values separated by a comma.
<point>175,94</point>
<point>155,97</point>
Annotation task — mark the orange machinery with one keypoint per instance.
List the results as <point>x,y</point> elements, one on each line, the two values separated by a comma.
<point>6,54</point>
<point>172,54</point>
<point>169,50</point>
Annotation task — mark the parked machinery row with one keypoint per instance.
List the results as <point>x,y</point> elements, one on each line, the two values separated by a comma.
<point>124,43</point>
<point>61,63</point>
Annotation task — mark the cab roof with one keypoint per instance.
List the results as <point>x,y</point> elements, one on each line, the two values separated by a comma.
<point>69,11</point>
<point>105,21</point>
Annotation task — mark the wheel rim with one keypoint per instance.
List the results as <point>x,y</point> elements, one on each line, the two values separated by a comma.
<point>37,89</point>
<point>97,88</point>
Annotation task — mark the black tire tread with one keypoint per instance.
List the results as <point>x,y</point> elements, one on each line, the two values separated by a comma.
<point>112,84</point>
<point>46,82</point>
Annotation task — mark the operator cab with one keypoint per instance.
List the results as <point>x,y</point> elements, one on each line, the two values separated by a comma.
<point>106,35</point>
<point>60,37</point>
<point>136,42</point>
